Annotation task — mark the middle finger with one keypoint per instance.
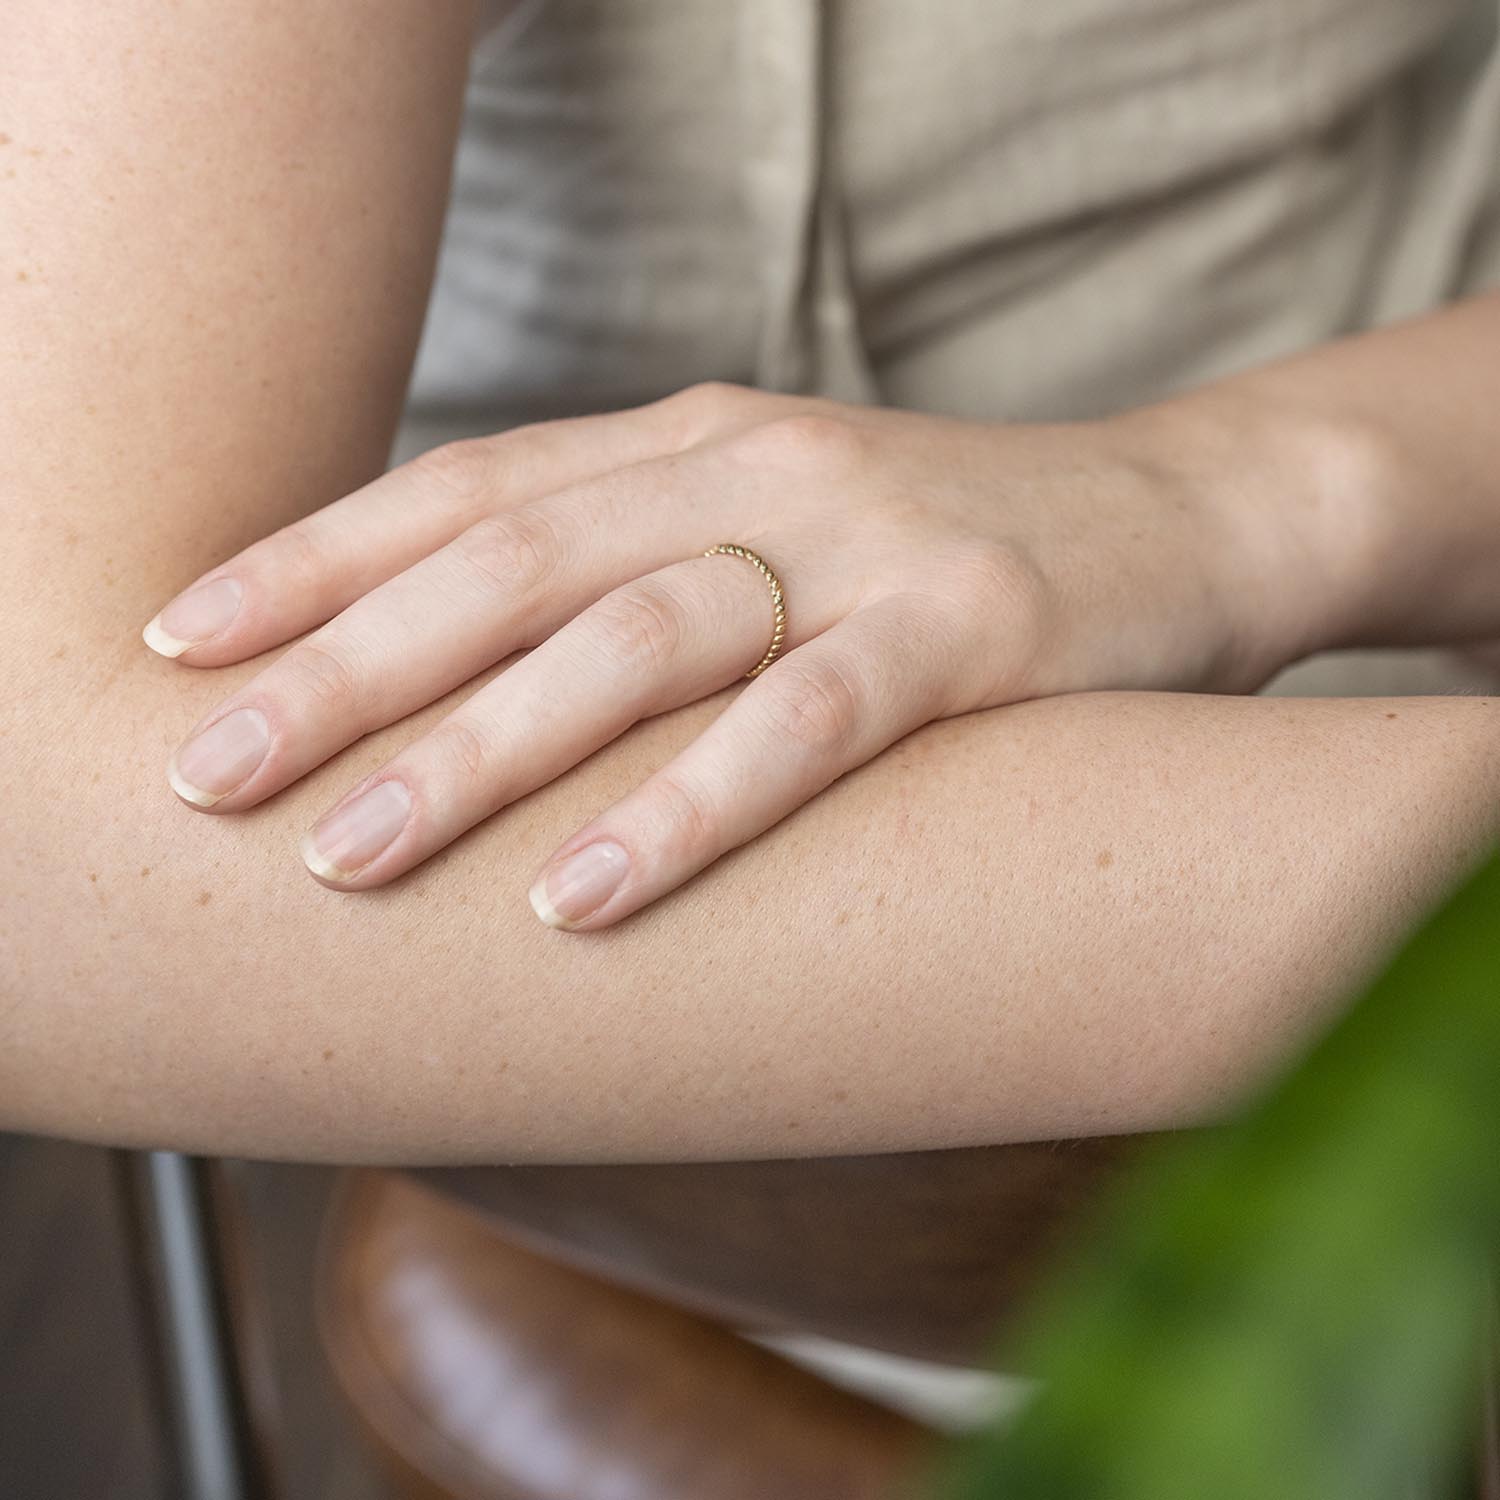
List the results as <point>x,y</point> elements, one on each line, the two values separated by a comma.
<point>507,582</point>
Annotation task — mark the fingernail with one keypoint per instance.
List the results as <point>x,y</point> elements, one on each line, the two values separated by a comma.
<point>193,617</point>
<point>214,763</point>
<point>568,892</point>
<point>344,841</point>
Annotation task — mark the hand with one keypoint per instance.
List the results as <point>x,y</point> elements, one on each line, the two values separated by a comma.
<point>931,567</point>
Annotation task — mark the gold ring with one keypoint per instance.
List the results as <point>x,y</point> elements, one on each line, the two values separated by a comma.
<point>778,602</point>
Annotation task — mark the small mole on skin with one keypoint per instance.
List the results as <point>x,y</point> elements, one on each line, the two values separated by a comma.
<point>842,918</point>
<point>61,652</point>
<point>1390,716</point>
<point>1106,859</point>
<point>145,871</point>
<point>22,276</point>
<point>94,875</point>
<point>204,897</point>
<point>327,1054</point>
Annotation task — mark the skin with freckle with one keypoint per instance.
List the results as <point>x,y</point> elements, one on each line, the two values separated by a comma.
<point>1067,1002</point>
<point>990,983</point>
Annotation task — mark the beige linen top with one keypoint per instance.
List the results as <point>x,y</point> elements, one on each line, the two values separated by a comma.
<point>995,208</point>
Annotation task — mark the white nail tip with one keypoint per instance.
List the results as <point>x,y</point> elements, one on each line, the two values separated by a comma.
<point>319,864</point>
<point>546,910</point>
<point>162,643</point>
<point>190,793</point>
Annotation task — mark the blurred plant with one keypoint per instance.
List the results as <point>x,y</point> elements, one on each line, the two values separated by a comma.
<point>1290,1307</point>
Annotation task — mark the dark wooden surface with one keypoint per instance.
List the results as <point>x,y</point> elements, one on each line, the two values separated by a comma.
<point>76,1418</point>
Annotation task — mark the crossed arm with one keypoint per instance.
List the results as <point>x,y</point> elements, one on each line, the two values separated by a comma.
<point>1088,914</point>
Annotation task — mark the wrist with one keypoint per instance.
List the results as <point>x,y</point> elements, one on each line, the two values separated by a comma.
<point>1295,515</point>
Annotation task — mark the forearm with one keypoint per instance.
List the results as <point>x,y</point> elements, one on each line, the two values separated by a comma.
<point>1363,482</point>
<point>1080,915</point>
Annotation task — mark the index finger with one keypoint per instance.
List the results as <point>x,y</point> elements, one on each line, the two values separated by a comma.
<point>304,574</point>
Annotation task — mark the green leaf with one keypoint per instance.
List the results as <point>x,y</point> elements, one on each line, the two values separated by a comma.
<point>1286,1308</point>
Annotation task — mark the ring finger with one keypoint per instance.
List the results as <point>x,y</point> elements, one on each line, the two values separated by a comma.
<point>651,645</point>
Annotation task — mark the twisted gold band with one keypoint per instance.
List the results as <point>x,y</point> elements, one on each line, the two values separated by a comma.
<point>778,602</point>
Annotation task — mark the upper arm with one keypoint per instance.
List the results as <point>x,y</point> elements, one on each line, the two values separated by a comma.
<point>217,230</point>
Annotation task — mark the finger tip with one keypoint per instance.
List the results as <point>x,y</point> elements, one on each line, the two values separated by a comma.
<point>544,908</point>
<point>320,867</point>
<point>194,796</point>
<point>163,642</point>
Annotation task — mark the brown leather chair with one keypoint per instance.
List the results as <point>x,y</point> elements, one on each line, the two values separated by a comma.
<point>514,1333</point>
<point>575,1332</point>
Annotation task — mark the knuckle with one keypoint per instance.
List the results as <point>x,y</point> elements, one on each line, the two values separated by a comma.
<point>697,411</point>
<point>325,675</point>
<point>685,820</point>
<point>515,551</point>
<point>298,554</point>
<point>807,442</point>
<point>997,582</point>
<point>464,468</point>
<point>464,746</point>
<point>710,395</point>
<point>815,705</point>
<point>641,626</point>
